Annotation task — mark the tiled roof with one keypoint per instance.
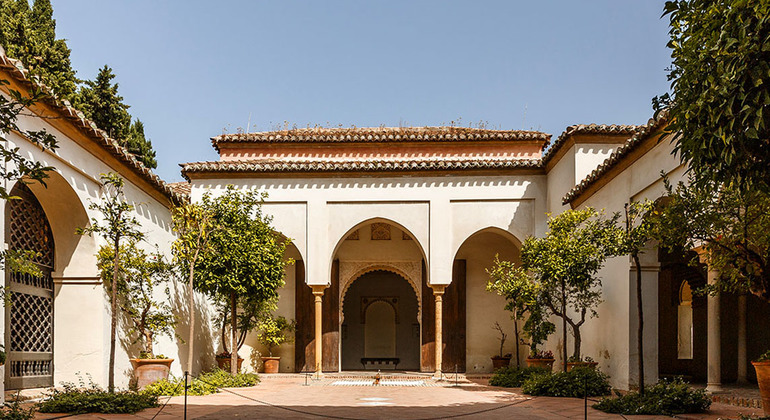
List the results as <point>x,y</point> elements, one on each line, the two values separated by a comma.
<point>182,188</point>
<point>611,129</point>
<point>89,128</point>
<point>380,134</point>
<point>642,134</point>
<point>385,165</point>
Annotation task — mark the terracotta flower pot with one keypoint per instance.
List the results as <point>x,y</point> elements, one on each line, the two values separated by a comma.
<point>500,362</point>
<point>224,363</point>
<point>572,365</point>
<point>147,371</point>
<point>543,363</point>
<point>271,364</point>
<point>763,379</point>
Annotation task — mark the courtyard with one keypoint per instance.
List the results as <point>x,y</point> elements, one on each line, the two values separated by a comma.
<point>346,396</point>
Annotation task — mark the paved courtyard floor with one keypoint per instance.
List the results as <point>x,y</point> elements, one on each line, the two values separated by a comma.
<point>286,397</point>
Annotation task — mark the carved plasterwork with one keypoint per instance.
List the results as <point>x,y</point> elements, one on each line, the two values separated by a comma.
<point>353,236</point>
<point>409,270</point>
<point>380,232</point>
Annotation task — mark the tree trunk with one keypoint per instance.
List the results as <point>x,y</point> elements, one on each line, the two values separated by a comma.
<point>148,346</point>
<point>564,323</point>
<point>113,316</point>
<point>516,337</point>
<point>640,328</point>
<point>234,339</point>
<point>578,341</point>
<point>191,334</point>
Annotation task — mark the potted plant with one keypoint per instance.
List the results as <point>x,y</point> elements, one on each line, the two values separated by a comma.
<point>762,366</point>
<point>223,360</point>
<point>250,313</point>
<point>542,359</point>
<point>139,274</point>
<point>537,329</point>
<point>274,333</point>
<point>500,360</point>
<point>587,361</point>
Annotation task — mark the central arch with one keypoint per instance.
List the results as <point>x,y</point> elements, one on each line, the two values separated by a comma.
<point>380,328</point>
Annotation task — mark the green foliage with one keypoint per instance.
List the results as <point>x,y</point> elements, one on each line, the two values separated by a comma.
<point>205,384</point>
<point>514,377</point>
<point>564,264</point>
<point>30,36</point>
<point>578,382</point>
<point>140,146</point>
<point>117,224</point>
<point>17,166</point>
<point>14,410</point>
<point>666,398</point>
<point>731,223</point>
<point>246,262</point>
<point>100,102</point>
<point>138,275</point>
<point>247,256</point>
<point>522,296</point>
<point>274,332</point>
<point>764,357</point>
<point>92,399</point>
<point>720,81</point>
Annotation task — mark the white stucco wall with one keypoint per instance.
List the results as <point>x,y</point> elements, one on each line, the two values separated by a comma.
<point>612,336</point>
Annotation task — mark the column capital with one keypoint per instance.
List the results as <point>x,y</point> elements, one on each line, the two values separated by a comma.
<point>438,289</point>
<point>318,289</point>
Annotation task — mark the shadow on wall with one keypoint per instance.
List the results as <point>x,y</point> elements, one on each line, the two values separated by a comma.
<point>204,337</point>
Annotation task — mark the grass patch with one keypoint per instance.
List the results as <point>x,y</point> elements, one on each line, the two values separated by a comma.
<point>204,384</point>
<point>576,383</point>
<point>664,398</point>
<point>514,377</point>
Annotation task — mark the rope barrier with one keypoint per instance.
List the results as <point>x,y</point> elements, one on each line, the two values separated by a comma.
<point>169,399</point>
<point>294,410</point>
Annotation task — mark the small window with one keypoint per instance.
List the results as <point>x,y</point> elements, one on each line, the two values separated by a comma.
<point>684,321</point>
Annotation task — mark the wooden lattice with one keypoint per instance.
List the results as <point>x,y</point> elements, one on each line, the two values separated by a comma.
<point>29,316</point>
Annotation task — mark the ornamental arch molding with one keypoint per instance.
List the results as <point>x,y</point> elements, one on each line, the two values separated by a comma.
<point>350,271</point>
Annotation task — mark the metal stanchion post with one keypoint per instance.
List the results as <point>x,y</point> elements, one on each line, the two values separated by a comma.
<point>186,384</point>
<point>455,374</point>
<point>585,397</point>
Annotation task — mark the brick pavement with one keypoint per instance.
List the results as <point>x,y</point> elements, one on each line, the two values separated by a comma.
<point>287,398</point>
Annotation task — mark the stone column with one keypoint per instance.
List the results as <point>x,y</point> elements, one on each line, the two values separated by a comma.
<point>318,292</point>
<point>714,346</point>
<point>438,293</point>
<point>742,357</point>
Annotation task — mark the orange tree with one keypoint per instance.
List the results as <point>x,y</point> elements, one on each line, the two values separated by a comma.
<point>246,258</point>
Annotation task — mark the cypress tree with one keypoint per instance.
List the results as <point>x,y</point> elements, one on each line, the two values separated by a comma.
<point>140,146</point>
<point>100,102</point>
<point>29,35</point>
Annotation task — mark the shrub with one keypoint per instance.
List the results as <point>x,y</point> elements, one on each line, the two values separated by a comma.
<point>664,398</point>
<point>14,411</point>
<point>204,384</point>
<point>514,377</point>
<point>576,383</point>
<point>765,357</point>
<point>93,399</point>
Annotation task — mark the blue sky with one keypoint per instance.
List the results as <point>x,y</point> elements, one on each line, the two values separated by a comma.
<point>194,69</point>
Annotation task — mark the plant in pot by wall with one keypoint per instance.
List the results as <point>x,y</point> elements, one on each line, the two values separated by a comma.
<point>537,329</point>
<point>500,361</point>
<point>274,332</point>
<point>586,361</point>
<point>762,366</point>
<point>139,275</point>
